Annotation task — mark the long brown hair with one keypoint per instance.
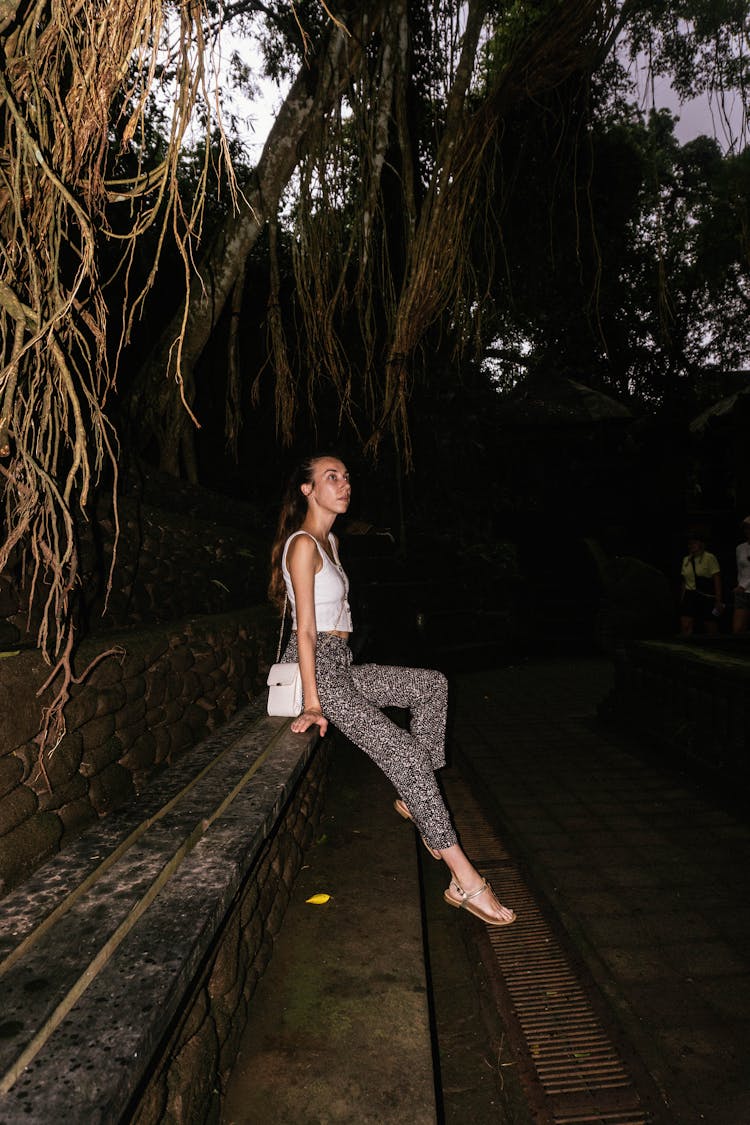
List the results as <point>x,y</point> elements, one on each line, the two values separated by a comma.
<point>291,518</point>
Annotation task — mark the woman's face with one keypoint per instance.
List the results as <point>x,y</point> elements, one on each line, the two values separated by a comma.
<point>695,546</point>
<point>331,487</point>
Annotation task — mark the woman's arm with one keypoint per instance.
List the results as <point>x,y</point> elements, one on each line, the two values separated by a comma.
<point>303,561</point>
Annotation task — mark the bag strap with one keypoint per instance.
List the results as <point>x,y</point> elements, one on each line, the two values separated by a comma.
<point>281,627</point>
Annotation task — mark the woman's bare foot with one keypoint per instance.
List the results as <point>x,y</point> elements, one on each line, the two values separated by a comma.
<point>402,808</point>
<point>481,901</point>
<point>467,888</point>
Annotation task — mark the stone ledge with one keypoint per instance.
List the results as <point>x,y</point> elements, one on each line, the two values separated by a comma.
<point>688,698</point>
<point>136,713</point>
<point>728,655</point>
<point>100,947</point>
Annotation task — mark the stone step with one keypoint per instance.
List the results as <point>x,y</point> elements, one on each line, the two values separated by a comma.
<point>101,949</point>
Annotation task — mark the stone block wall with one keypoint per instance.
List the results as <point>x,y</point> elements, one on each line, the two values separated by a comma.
<point>187,1081</point>
<point>156,696</point>
<point>167,567</point>
<point>170,566</point>
<point>691,700</point>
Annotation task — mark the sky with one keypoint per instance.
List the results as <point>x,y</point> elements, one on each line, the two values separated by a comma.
<point>697,116</point>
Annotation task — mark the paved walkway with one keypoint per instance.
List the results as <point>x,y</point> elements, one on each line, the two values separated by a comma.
<point>339,1027</point>
<point>649,878</point>
<point>349,1023</point>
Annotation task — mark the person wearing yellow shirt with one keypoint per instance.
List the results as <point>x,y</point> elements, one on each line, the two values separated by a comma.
<point>700,601</point>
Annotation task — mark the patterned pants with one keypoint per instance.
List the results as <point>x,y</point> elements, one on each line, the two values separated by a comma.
<point>352,696</point>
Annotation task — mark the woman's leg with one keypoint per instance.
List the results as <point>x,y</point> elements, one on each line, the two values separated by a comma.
<point>352,697</point>
<point>405,757</point>
<point>424,691</point>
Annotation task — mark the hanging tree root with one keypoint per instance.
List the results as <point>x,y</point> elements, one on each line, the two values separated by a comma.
<point>75,80</point>
<point>347,278</point>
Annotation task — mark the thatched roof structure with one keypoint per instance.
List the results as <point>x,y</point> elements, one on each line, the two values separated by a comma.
<point>551,400</point>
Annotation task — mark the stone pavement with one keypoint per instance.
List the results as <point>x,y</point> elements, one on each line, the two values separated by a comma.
<point>339,1026</point>
<point>352,1022</point>
<point>648,875</point>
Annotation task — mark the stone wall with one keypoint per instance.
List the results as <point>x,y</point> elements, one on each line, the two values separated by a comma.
<point>692,700</point>
<point>158,691</point>
<point>170,566</point>
<point>186,1084</point>
<point>157,695</point>
<point>167,566</point>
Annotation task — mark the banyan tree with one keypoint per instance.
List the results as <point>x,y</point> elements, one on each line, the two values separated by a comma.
<point>383,174</point>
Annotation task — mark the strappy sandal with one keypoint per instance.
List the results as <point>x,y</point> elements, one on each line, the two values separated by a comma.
<point>403,811</point>
<point>466,902</point>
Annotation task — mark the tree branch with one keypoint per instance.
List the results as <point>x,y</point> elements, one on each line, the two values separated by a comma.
<point>314,92</point>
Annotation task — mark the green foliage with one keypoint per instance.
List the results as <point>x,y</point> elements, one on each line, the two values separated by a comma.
<point>510,25</point>
<point>288,31</point>
<point>591,251</point>
<point>626,260</point>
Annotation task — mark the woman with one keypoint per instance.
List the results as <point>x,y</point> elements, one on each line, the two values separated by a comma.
<point>305,569</point>
<point>701,587</point>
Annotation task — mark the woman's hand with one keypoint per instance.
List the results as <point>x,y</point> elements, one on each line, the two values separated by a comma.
<point>311,716</point>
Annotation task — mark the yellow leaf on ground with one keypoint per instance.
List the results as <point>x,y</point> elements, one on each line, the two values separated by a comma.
<point>318,900</point>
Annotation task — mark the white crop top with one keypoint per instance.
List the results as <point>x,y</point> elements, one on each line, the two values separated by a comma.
<point>332,609</point>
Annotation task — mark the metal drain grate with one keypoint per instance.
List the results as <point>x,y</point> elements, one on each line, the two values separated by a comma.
<point>547,1010</point>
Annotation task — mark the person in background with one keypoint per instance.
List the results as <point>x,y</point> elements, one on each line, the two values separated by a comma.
<point>741,615</point>
<point>700,600</point>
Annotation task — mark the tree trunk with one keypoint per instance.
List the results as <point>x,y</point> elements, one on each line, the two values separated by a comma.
<point>165,384</point>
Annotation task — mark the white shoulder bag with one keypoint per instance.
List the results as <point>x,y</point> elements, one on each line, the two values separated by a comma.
<point>284,683</point>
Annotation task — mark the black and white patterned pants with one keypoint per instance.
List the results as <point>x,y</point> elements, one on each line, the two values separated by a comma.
<point>352,696</point>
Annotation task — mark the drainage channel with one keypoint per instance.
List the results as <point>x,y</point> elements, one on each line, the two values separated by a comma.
<point>571,1068</point>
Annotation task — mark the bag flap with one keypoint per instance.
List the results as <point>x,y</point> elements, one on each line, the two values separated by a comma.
<point>282,675</point>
